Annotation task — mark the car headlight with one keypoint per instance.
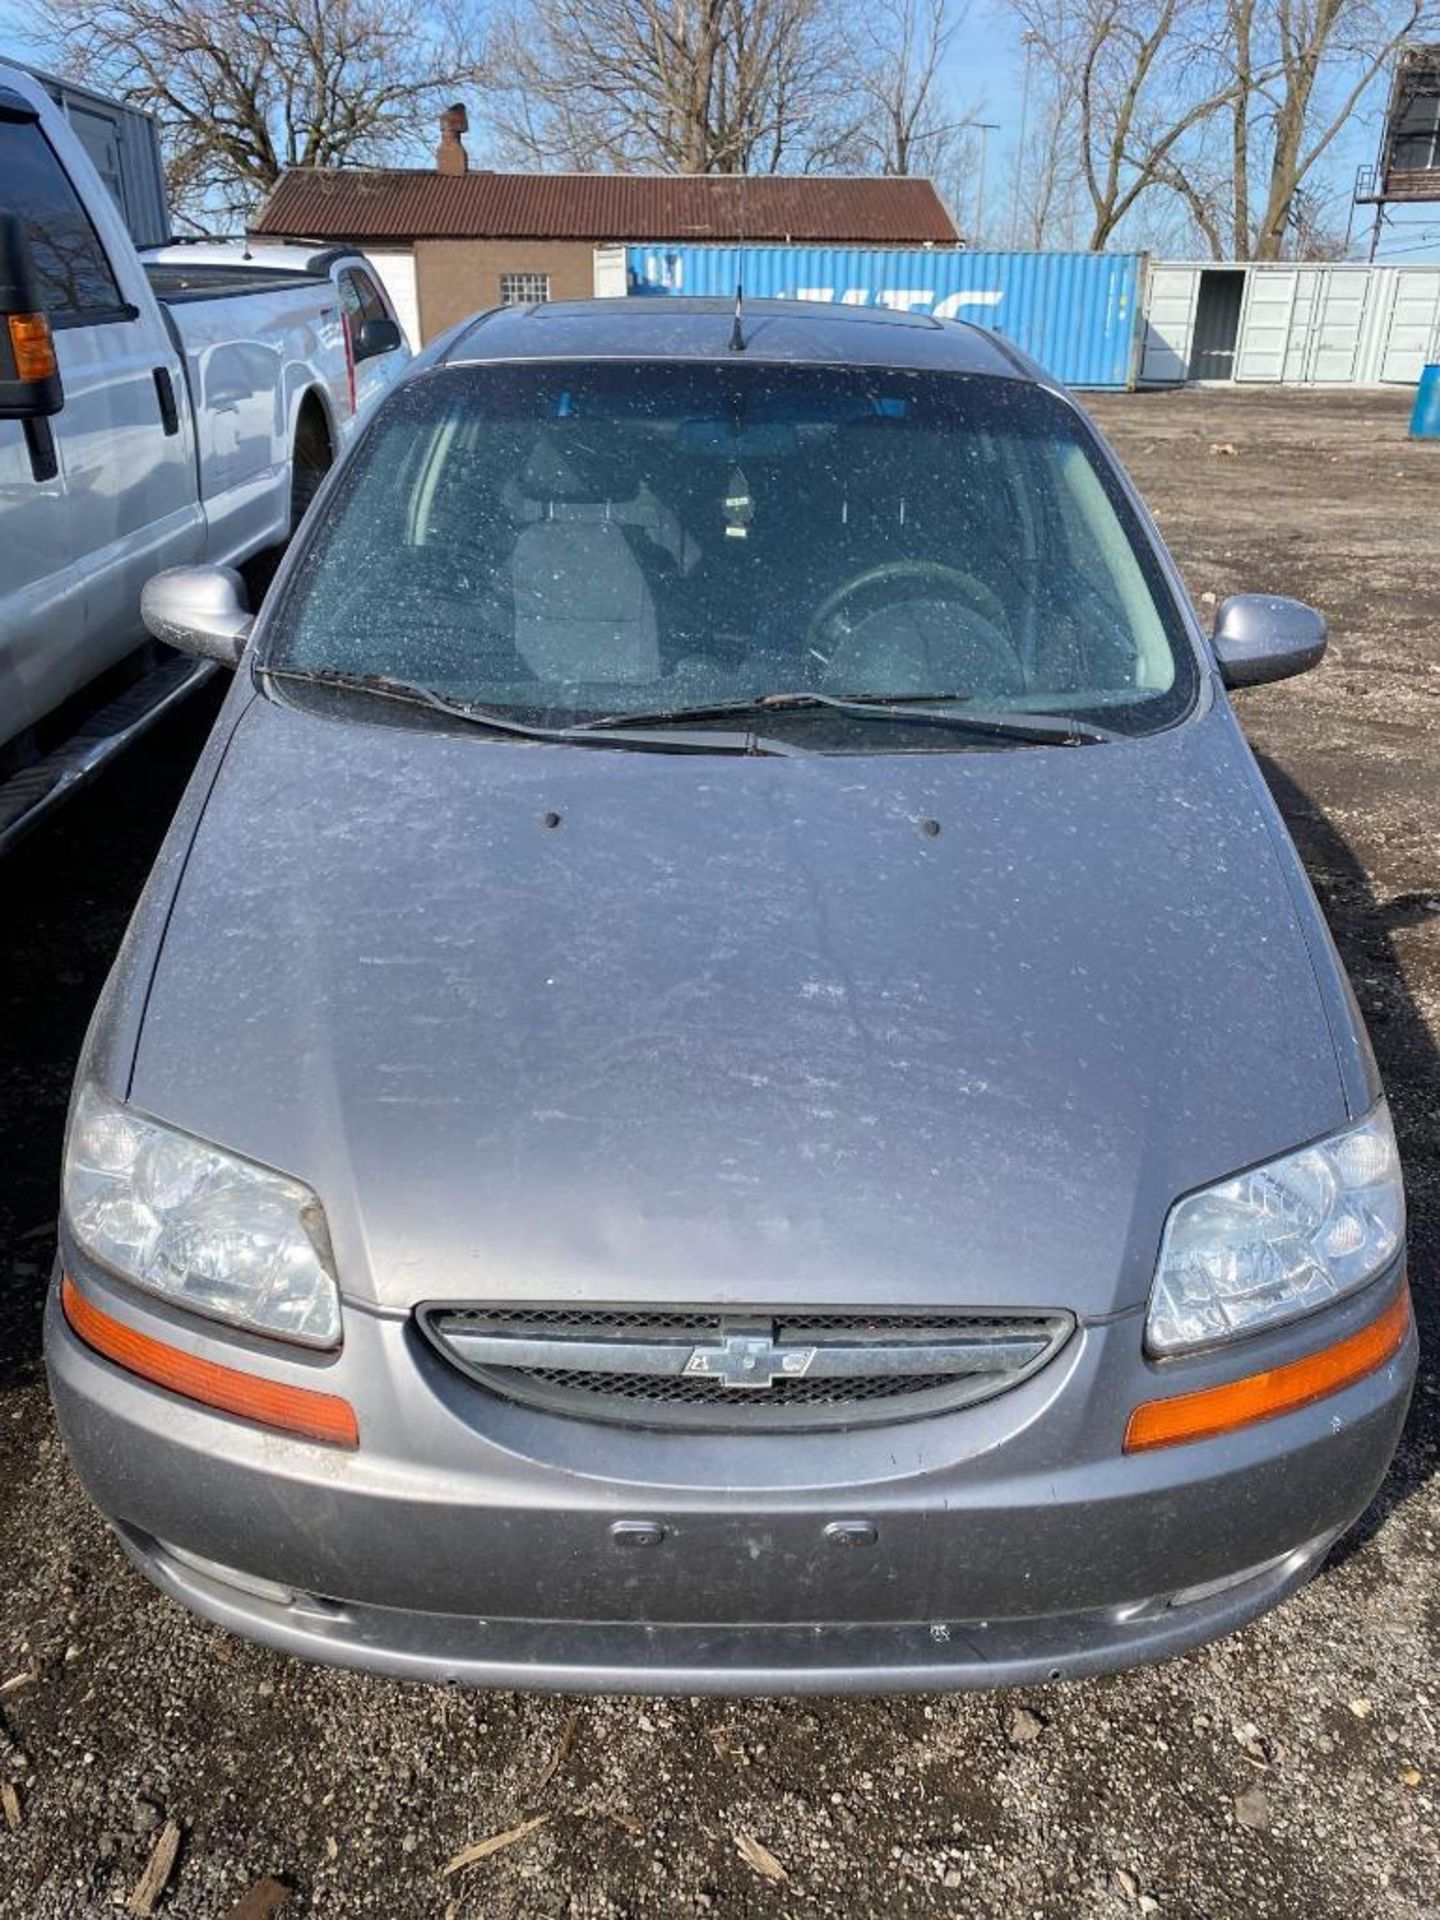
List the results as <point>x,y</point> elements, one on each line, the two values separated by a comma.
<point>197,1225</point>
<point>1280,1240</point>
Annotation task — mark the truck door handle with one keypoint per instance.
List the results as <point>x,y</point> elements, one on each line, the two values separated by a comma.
<point>165,394</point>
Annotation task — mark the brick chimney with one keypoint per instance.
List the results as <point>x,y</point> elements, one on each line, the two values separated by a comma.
<point>450,155</point>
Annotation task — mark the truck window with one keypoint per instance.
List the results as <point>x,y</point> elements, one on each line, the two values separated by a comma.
<point>79,286</point>
<point>360,297</point>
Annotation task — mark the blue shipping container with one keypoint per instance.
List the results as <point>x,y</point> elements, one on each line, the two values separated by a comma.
<point>1076,313</point>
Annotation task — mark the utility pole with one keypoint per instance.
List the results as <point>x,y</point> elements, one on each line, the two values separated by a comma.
<point>1354,202</point>
<point>1028,41</point>
<point>984,128</point>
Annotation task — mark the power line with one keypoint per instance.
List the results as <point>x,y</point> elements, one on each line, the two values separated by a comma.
<point>1423,246</point>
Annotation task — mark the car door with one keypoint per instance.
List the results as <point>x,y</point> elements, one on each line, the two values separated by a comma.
<point>375,373</point>
<point>77,548</point>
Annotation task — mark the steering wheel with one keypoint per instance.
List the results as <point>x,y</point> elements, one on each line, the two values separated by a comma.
<point>934,572</point>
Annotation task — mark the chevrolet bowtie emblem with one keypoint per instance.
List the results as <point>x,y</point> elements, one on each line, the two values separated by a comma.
<point>749,1360</point>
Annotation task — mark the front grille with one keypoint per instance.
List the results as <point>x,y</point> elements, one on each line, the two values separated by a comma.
<point>646,1388</point>
<point>721,1369</point>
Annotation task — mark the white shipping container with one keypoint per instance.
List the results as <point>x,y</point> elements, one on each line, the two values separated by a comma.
<point>1294,324</point>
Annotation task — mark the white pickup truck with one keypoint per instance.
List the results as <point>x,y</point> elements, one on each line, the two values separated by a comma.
<point>183,265</point>
<point>149,418</point>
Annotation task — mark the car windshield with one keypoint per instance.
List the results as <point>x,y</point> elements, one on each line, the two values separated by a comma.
<point>569,542</point>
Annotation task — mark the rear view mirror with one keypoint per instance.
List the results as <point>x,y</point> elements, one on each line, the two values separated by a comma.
<point>200,610</point>
<point>757,440</point>
<point>376,337</point>
<point>30,386</point>
<point>1262,636</point>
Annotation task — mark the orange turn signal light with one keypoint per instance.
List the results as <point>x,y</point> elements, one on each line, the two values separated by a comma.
<point>33,346</point>
<point>314,1416</point>
<point>1262,1396</point>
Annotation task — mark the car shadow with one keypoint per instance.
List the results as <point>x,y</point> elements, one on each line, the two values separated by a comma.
<point>1364,926</point>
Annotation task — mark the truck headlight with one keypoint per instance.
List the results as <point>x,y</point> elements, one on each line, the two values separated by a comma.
<point>197,1225</point>
<point>1281,1240</point>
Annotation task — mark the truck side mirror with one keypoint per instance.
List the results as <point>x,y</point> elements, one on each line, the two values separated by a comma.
<point>200,610</point>
<point>1262,636</point>
<point>30,387</point>
<point>376,337</point>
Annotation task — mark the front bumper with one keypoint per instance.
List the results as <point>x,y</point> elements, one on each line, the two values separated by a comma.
<point>472,1540</point>
<point>571,1656</point>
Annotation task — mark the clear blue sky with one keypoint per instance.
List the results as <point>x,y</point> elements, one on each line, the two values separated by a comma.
<point>986,68</point>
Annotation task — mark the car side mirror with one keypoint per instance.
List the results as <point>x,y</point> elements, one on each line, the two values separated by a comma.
<point>200,610</point>
<point>30,387</point>
<point>1262,636</point>
<point>376,337</point>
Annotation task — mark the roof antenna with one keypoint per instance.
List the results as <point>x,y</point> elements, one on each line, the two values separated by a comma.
<point>737,333</point>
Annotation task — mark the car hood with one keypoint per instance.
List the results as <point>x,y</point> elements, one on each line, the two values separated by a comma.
<point>737,1029</point>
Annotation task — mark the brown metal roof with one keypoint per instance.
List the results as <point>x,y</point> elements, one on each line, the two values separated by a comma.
<point>315,203</point>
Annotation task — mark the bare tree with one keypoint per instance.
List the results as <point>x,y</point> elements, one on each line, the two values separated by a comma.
<point>686,86</point>
<point>908,117</point>
<point>1123,86</point>
<point>1140,89</point>
<point>1202,197</point>
<point>245,88</point>
<point>1323,57</point>
<point>1241,21</point>
<point>904,110</point>
<point>1146,74</point>
<point>1300,70</point>
<point>1047,194</point>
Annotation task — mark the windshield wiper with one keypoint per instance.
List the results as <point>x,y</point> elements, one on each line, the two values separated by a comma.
<point>408,692</point>
<point>924,709</point>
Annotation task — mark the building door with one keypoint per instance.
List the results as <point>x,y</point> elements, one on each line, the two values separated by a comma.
<point>612,280</point>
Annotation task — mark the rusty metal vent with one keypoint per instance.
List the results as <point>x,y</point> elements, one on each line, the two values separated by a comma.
<point>719,1369</point>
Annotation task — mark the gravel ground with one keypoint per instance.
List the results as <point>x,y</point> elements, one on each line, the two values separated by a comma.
<point>1291,1769</point>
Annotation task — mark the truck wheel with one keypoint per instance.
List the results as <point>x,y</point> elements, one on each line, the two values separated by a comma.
<point>309,464</point>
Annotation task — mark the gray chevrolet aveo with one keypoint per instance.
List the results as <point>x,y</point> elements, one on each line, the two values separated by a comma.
<point>728,1079</point>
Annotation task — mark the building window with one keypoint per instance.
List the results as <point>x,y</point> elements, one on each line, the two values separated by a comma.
<point>523,289</point>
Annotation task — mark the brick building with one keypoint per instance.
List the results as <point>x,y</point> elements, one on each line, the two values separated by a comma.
<point>453,238</point>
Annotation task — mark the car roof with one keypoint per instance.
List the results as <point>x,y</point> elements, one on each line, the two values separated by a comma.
<point>663,327</point>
